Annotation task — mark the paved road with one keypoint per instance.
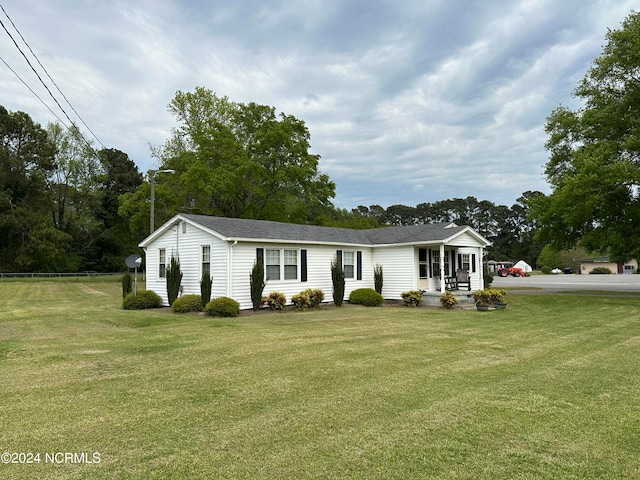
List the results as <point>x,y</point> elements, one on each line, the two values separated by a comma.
<point>616,283</point>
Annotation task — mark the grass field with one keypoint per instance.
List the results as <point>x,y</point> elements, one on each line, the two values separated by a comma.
<point>547,389</point>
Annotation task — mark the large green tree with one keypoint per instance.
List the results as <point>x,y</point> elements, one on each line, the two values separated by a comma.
<point>594,165</point>
<point>239,160</point>
<point>74,190</point>
<point>28,239</point>
<point>115,241</point>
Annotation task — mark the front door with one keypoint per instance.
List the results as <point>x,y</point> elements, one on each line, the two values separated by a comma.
<point>423,269</point>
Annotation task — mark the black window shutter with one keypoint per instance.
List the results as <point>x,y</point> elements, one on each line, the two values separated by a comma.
<point>339,257</point>
<point>453,263</point>
<point>473,263</point>
<point>430,265</point>
<point>260,255</point>
<point>359,265</point>
<point>303,265</point>
<point>459,260</point>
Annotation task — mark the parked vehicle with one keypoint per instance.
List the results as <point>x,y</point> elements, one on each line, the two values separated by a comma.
<point>507,268</point>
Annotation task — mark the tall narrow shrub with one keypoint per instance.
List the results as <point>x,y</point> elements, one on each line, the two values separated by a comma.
<point>127,284</point>
<point>377,278</point>
<point>337,277</point>
<point>256,279</point>
<point>174,277</point>
<point>205,289</point>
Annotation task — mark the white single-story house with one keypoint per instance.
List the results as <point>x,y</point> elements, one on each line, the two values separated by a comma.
<point>297,257</point>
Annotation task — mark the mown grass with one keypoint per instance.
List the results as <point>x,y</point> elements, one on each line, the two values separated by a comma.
<point>548,388</point>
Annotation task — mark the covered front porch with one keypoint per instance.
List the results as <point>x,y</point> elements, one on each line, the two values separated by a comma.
<point>442,267</point>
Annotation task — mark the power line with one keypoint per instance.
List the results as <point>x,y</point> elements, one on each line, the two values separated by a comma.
<point>43,83</point>
<point>50,78</point>
<point>34,93</point>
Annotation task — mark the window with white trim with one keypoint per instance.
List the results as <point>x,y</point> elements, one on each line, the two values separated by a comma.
<point>466,262</point>
<point>435,262</point>
<point>423,263</point>
<point>162,263</point>
<point>206,260</point>
<point>446,263</point>
<point>290,264</point>
<point>348,264</point>
<point>272,264</point>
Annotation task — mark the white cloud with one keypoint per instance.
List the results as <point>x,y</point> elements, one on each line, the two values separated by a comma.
<point>406,102</point>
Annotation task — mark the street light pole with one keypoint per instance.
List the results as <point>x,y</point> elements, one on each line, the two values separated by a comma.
<point>152,181</point>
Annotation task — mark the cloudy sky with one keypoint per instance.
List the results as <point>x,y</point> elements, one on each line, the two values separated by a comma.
<point>407,101</point>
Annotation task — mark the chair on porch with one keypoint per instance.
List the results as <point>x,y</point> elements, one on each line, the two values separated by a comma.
<point>463,278</point>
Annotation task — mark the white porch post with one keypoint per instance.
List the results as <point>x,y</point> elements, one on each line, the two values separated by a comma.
<point>480,268</point>
<point>442,279</point>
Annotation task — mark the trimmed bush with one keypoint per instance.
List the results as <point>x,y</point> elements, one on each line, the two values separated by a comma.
<point>482,296</point>
<point>223,307</point>
<point>205,289</point>
<point>276,300</point>
<point>337,279</point>
<point>143,300</point>
<point>367,297</point>
<point>601,270</point>
<point>127,284</point>
<point>377,278</point>
<point>307,299</point>
<point>448,300</point>
<point>174,277</point>
<point>546,270</point>
<point>187,303</point>
<point>412,298</point>
<point>257,283</point>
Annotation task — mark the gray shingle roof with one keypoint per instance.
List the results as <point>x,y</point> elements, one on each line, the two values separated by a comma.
<point>240,228</point>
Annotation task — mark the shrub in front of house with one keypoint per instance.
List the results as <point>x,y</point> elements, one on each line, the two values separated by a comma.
<point>142,300</point>
<point>448,300</point>
<point>276,300</point>
<point>377,278</point>
<point>307,299</point>
<point>482,297</point>
<point>187,303</point>
<point>366,296</point>
<point>338,282</point>
<point>257,283</point>
<point>205,289</point>
<point>127,284</point>
<point>601,270</point>
<point>223,307</point>
<point>174,278</point>
<point>412,298</point>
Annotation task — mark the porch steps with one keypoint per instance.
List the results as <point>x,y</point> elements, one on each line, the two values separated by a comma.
<point>432,299</point>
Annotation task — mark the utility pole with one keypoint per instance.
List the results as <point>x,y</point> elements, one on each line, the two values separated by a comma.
<point>152,180</point>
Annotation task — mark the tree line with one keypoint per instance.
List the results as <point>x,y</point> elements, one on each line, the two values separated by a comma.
<point>65,206</point>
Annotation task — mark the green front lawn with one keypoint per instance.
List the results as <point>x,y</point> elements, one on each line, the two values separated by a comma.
<point>548,388</point>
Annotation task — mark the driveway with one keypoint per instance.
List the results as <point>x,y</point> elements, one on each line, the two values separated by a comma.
<point>613,282</point>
